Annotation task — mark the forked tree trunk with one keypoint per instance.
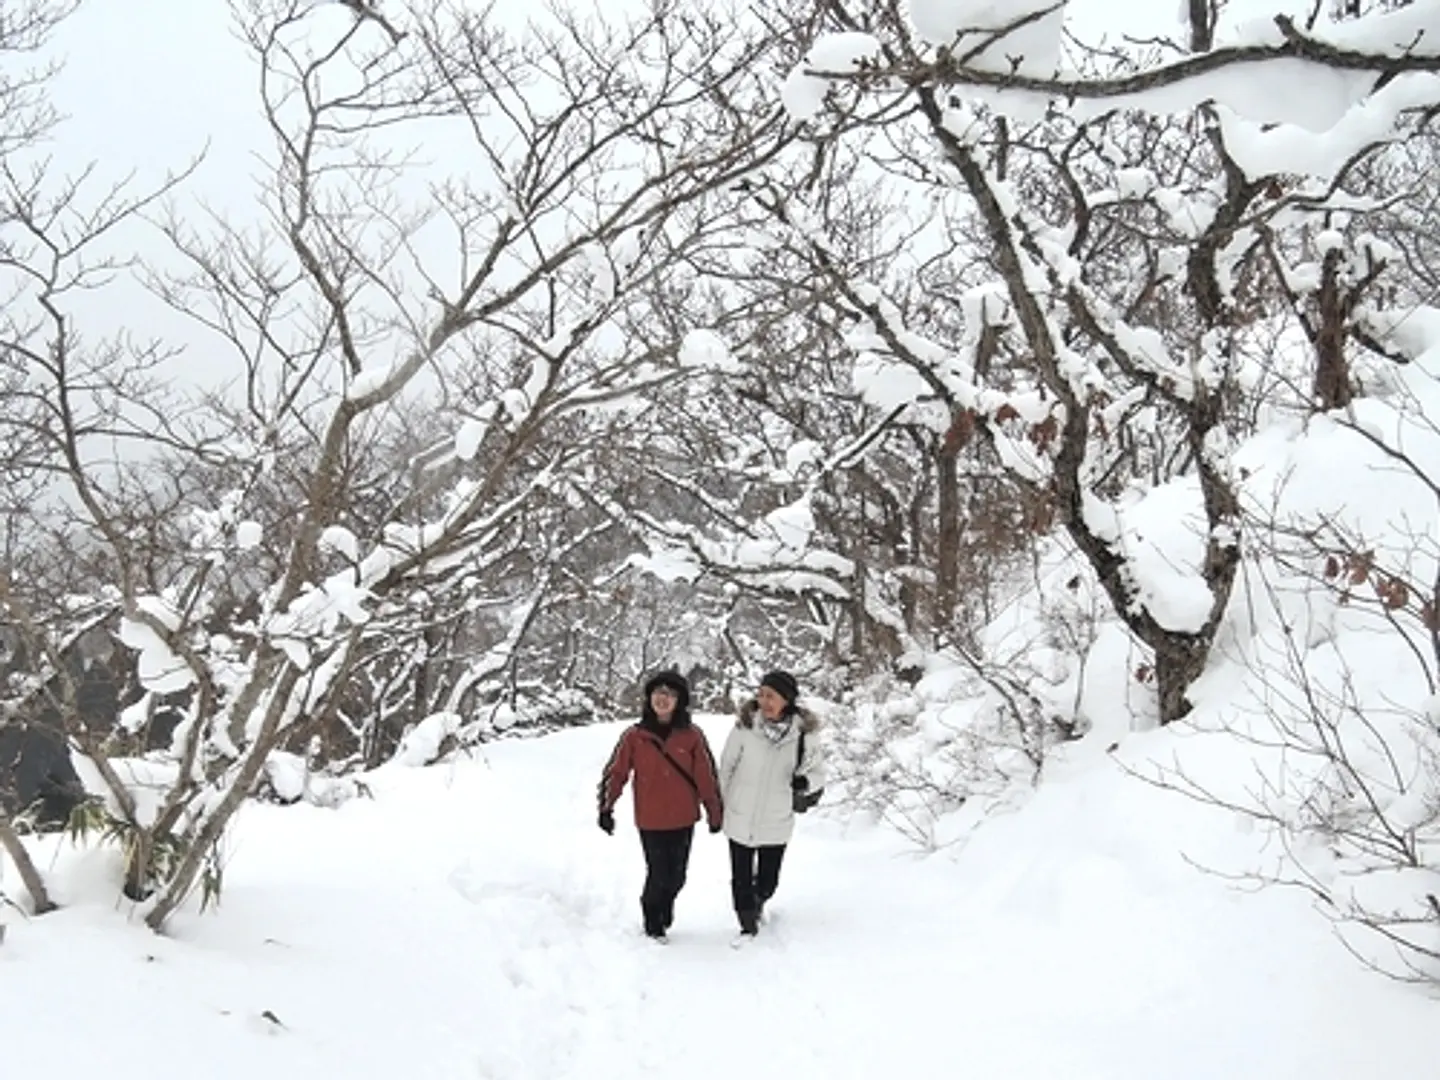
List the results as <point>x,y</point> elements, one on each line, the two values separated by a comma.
<point>1179,655</point>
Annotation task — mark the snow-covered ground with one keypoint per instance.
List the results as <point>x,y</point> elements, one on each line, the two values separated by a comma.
<point>471,921</point>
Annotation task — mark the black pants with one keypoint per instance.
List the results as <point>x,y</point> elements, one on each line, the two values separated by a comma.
<point>667,855</point>
<point>754,873</point>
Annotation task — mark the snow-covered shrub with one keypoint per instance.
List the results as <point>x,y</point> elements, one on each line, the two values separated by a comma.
<point>290,779</point>
<point>979,724</point>
<point>1329,671</point>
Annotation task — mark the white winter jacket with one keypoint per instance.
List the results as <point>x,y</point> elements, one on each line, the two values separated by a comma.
<point>755,773</point>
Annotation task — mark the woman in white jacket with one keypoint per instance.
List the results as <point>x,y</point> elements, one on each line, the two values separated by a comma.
<point>771,764</point>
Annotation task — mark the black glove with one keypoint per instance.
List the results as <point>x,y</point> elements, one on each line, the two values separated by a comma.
<point>799,782</point>
<point>714,827</point>
<point>607,822</point>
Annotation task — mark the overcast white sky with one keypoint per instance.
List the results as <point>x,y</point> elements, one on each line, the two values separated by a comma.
<point>148,86</point>
<point>145,91</point>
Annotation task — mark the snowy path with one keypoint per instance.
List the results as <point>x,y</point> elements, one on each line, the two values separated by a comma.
<point>472,922</point>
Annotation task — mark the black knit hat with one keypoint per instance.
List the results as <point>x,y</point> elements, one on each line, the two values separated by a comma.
<point>784,684</point>
<point>675,681</point>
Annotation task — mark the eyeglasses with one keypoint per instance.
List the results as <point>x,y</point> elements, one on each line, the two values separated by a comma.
<point>664,691</point>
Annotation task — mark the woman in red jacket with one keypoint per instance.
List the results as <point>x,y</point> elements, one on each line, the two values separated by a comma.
<point>674,775</point>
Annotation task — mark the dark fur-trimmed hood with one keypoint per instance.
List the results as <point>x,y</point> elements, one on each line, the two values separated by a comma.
<point>808,721</point>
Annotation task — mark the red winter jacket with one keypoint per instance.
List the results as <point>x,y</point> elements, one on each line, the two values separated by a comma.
<point>664,799</point>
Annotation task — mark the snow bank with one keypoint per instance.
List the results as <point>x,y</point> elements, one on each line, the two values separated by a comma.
<point>472,921</point>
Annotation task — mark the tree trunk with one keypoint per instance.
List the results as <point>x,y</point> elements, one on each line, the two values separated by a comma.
<point>137,867</point>
<point>215,822</point>
<point>857,609</point>
<point>40,901</point>
<point>947,479</point>
<point>1332,372</point>
<point>424,680</point>
<point>1179,661</point>
<point>1201,16</point>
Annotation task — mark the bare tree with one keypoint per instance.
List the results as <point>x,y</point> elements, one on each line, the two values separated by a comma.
<point>336,311</point>
<point>26,118</point>
<point>1131,284</point>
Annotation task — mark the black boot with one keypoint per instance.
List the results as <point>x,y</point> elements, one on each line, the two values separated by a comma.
<point>749,922</point>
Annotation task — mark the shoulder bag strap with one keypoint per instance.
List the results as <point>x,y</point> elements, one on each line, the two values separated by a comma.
<point>678,767</point>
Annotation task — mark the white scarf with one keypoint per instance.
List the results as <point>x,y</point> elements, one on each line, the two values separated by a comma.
<point>775,730</point>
